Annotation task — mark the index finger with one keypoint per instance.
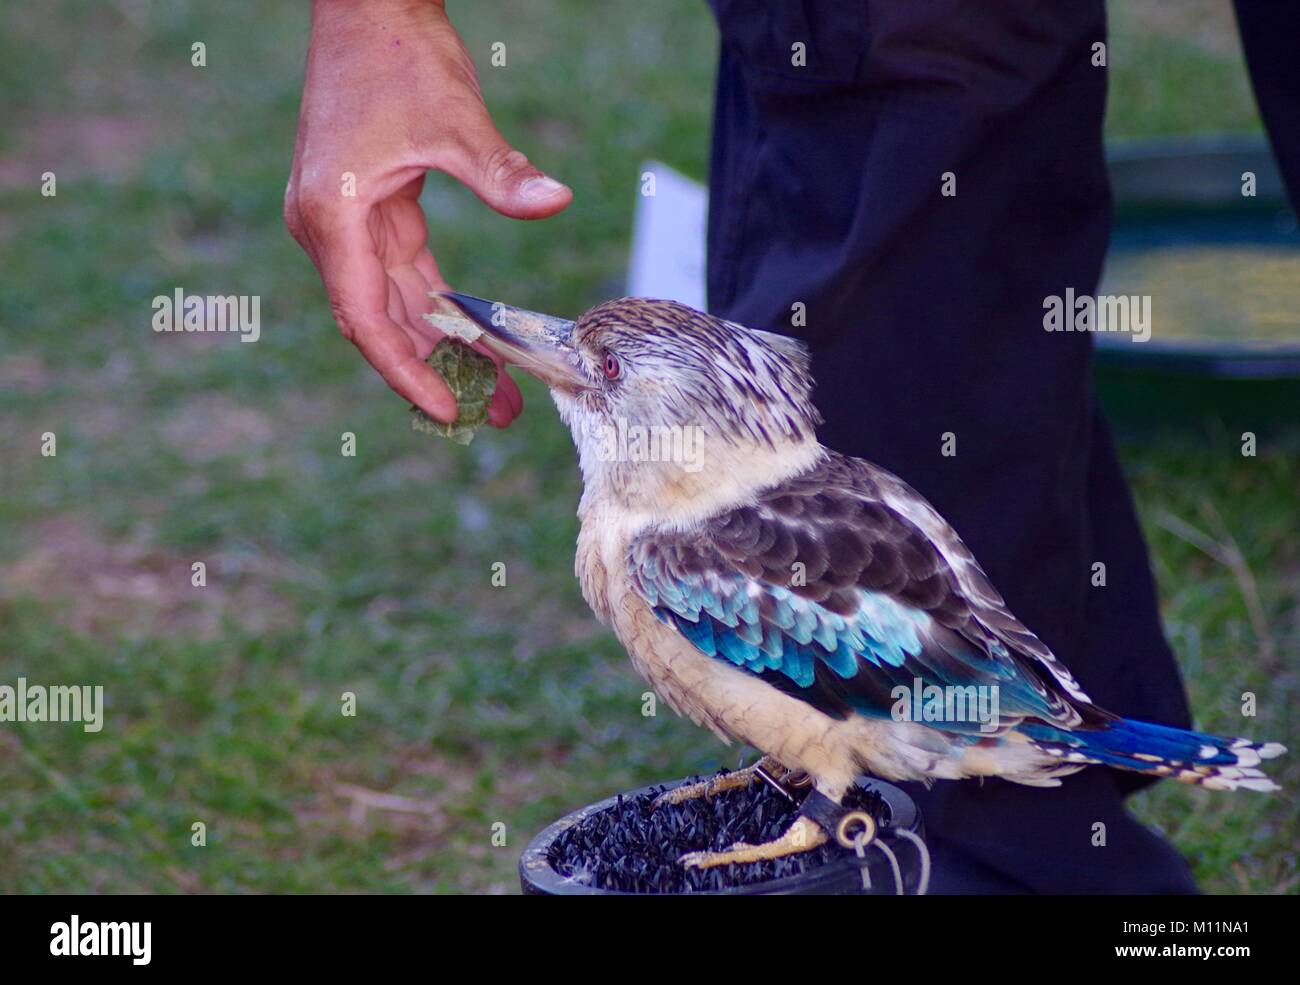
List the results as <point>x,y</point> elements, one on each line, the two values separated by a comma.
<point>358,288</point>
<point>390,351</point>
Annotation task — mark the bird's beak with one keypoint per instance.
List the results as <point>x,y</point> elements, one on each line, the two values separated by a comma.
<point>540,344</point>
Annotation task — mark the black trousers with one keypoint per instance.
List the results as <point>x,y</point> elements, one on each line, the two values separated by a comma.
<point>924,311</point>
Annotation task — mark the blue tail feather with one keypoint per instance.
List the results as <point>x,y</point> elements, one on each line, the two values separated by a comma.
<point>1192,757</point>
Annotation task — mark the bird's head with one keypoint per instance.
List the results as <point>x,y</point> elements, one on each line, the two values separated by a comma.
<point>665,403</point>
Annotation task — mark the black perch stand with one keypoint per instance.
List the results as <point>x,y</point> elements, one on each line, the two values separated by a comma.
<point>628,845</point>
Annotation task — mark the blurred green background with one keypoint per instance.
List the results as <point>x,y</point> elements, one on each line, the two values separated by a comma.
<point>327,574</point>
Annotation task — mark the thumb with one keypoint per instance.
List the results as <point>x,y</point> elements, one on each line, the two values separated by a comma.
<point>503,177</point>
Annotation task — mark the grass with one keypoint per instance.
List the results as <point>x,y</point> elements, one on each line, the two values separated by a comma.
<point>371,575</point>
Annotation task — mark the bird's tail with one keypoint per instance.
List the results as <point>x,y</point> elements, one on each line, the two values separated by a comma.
<point>1209,761</point>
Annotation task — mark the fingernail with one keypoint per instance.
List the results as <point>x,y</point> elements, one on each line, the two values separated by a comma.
<point>540,188</point>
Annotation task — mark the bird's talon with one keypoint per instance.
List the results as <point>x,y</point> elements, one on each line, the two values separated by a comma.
<point>714,785</point>
<point>802,836</point>
<point>692,860</point>
<point>709,860</point>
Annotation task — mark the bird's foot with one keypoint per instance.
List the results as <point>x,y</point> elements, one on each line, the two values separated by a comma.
<point>802,836</point>
<point>767,767</point>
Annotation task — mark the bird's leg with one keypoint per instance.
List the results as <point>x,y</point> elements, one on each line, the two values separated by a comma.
<point>713,786</point>
<point>803,835</point>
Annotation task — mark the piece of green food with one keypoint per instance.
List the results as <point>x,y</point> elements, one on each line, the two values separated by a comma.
<point>472,379</point>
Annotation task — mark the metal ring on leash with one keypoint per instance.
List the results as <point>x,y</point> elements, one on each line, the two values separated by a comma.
<point>797,780</point>
<point>787,784</point>
<point>855,829</point>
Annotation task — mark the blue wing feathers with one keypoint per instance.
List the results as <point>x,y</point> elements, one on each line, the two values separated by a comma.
<point>888,602</point>
<point>800,645</point>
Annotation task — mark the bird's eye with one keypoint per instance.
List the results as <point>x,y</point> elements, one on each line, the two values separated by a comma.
<point>612,367</point>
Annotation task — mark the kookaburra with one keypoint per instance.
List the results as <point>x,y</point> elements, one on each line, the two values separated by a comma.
<point>793,598</point>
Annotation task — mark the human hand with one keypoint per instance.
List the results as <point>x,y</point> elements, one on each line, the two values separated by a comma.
<point>390,94</point>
